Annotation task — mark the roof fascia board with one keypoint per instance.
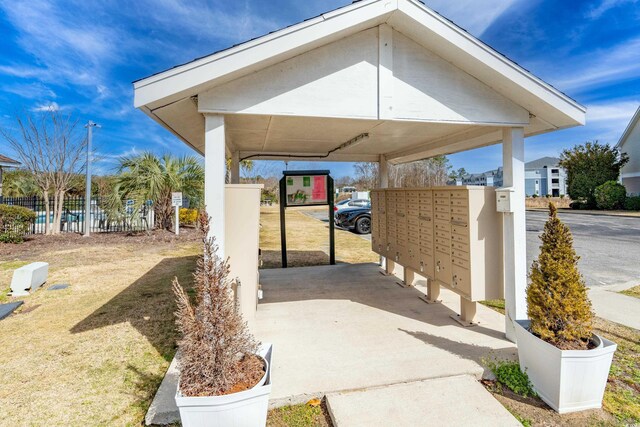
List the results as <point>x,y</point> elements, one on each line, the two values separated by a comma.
<point>191,78</point>
<point>632,124</point>
<point>464,41</point>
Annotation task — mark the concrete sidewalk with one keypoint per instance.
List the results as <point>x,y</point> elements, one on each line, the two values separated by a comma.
<point>453,401</point>
<point>349,328</point>
<point>616,307</point>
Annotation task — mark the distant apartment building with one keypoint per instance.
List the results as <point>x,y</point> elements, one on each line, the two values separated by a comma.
<point>630,144</point>
<point>545,177</point>
<point>542,177</point>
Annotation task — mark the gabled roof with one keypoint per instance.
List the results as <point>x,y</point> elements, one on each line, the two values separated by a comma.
<point>632,124</point>
<point>8,162</point>
<point>542,162</point>
<point>173,89</point>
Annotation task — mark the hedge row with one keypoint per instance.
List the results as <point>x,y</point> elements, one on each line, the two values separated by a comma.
<point>14,223</point>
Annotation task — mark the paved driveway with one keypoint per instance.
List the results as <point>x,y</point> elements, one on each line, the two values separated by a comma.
<point>609,246</point>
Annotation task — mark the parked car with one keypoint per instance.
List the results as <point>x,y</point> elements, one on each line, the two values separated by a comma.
<point>357,219</point>
<point>351,203</point>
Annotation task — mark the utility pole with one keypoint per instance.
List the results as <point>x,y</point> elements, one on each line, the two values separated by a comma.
<point>87,196</point>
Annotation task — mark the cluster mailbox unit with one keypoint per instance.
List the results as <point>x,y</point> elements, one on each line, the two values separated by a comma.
<point>449,235</point>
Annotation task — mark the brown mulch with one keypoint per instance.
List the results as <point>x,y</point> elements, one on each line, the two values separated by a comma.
<point>38,244</point>
<point>252,371</point>
<point>534,412</point>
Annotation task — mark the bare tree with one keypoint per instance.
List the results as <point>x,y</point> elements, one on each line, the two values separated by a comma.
<point>422,173</point>
<point>52,148</point>
<point>366,175</point>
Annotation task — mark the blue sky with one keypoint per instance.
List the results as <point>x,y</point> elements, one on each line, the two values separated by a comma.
<point>81,57</point>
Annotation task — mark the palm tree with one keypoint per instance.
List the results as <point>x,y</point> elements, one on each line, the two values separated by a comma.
<point>146,176</point>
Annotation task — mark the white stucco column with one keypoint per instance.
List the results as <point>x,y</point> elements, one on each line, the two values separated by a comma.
<point>235,167</point>
<point>215,163</point>
<point>514,230</point>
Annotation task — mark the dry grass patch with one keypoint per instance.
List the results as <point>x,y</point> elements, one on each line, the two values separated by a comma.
<point>95,353</point>
<point>632,292</point>
<point>308,241</point>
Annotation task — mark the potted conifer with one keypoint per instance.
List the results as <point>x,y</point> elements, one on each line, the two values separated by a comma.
<point>567,363</point>
<point>224,372</point>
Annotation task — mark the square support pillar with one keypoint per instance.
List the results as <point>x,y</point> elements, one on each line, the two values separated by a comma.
<point>215,164</point>
<point>235,167</point>
<point>514,230</point>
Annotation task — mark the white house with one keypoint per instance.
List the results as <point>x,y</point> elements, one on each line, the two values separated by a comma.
<point>386,81</point>
<point>630,143</point>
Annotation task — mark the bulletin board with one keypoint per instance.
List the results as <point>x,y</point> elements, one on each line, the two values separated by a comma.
<point>306,188</point>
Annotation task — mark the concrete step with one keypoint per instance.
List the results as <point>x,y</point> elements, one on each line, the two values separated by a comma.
<point>451,401</point>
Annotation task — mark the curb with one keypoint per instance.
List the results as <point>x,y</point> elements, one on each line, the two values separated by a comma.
<point>622,214</point>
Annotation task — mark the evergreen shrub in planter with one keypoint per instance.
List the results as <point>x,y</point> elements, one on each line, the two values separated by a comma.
<point>567,364</point>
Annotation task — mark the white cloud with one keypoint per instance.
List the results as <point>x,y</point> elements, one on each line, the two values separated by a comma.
<point>615,111</point>
<point>51,106</point>
<point>605,6</point>
<point>472,15</point>
<point>34,90</point>
<point>602,66</point>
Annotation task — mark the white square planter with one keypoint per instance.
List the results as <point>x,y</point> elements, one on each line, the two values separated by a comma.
<point>567,380</point>
<point>244,409</point>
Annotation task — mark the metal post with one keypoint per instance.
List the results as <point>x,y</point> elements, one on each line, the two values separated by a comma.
<point>177,226</point>
<point>283,230</point>
<point>87,196</point>
<point>332,238</point>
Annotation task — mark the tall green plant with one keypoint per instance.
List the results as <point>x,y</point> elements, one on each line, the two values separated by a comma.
<point>588,166</point>
<point>149,177</point>
<point>558,305</point>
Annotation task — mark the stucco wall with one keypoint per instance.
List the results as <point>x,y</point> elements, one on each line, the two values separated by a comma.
<point>632,148</point>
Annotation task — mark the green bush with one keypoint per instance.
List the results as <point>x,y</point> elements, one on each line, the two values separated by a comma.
<point>508,374</point>
<point>14,223</point>
<point>610,195</point>
<point>632,203</point>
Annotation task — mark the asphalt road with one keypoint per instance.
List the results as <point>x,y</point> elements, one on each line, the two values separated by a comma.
<point>608,246</point>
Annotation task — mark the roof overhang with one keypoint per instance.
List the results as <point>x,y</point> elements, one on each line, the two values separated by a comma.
<point>169,97</point>
<point>627,132</point>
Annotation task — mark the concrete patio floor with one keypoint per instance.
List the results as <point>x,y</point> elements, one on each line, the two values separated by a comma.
<point>348,327</point>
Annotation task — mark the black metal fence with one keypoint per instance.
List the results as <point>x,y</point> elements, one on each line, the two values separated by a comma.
<point>103,219</point>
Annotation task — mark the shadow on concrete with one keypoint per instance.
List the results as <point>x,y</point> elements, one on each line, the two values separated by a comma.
<point>273,259</point>
<point>476,353</point>
<point>147,304</point>
<point>360,283</point>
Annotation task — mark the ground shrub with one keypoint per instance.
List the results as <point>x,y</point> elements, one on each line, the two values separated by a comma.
<point>610,195</point>
<point>558,305</point>
<point>188,216</point>
<point>14,223</point>
<point>508,374</point>
<point>632,203</point>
